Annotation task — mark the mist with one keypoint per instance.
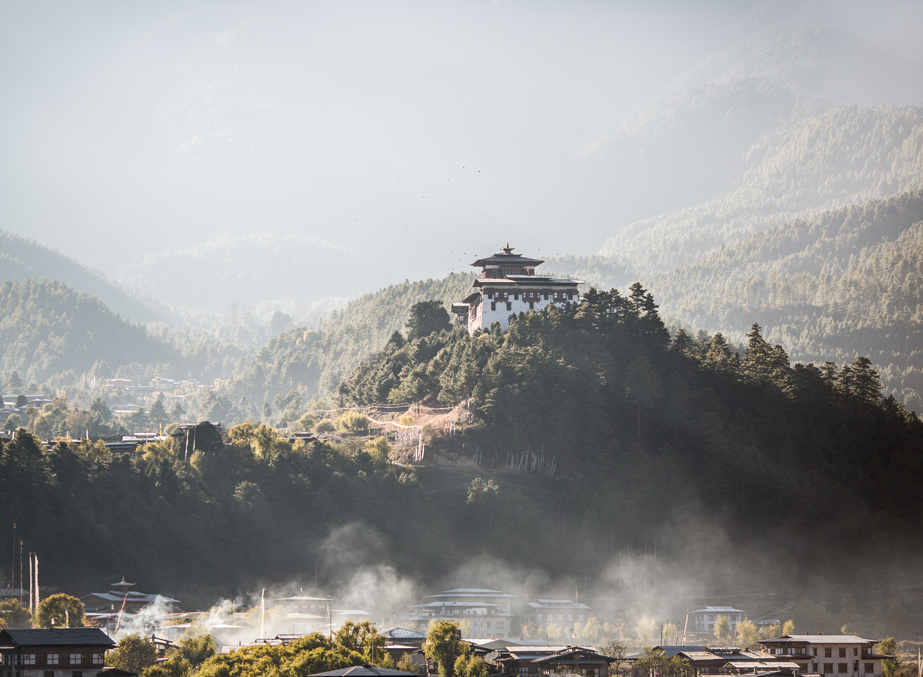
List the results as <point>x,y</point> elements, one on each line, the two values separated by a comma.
<point>410,137</point>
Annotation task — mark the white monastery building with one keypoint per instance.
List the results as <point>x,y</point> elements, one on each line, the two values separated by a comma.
<point>508,286</point>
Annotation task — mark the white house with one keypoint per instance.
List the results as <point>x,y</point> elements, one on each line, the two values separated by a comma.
<point>704,619</point>
<point>829,655</point>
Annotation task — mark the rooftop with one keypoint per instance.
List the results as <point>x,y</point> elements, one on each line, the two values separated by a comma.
<point>818,639</point>
<point>507,257</point>
<point>55,637</point>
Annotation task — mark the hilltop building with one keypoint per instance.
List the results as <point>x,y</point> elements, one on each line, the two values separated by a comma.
<point>508,286</point>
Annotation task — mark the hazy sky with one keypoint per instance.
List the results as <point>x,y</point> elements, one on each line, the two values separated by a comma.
<point>404,130</point>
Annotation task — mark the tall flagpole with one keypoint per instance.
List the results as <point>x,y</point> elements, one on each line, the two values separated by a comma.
<point>37,597</point>
<point>31,584</point>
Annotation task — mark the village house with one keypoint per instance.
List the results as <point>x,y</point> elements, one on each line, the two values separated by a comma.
<point>508,286</point>
<point>829,655</point>
<point>703,620</point>
<point>558,611</point>
<point>533,661</point>
<point>488,612</point>
<point>58,652</point>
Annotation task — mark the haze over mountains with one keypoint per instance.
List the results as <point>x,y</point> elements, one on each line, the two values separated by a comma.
<point>231,124</point>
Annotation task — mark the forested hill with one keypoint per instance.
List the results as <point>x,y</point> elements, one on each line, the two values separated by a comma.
<point>22,258</point>
<point>597,431</point>
<point>657,430</point>
<point>847,282</point>
<point>315,361</point>
<point>844,156</point>
<point>47,328</point>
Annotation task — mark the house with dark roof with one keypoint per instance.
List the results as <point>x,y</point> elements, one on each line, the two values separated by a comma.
<point>534,661</point>
<point>55,652</point>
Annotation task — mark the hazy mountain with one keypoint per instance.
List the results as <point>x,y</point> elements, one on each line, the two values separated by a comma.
<point>816,62</point>
<point>843,283</point>
<point>22,258</point>
<point>691,148</point>
<point>844,156</point>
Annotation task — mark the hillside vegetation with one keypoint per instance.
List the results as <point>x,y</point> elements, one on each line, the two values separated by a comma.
<point>641,436</point>
<point>314,361</point>
<point>22,258</point>
<point>846,282</point>
<point>844,156</point>
<point>49,331</point>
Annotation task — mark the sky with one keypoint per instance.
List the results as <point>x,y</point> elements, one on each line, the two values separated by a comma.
<point>417,134</point>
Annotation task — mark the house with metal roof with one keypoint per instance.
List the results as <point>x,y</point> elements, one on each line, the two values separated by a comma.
<point>508,286</point>
<point>829,655</point>
<point>704,619</point>
<point>558,611</point>
<point>56,652</point>
<point>487,612</point>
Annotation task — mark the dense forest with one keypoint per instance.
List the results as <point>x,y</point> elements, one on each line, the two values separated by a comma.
<point>55,336</point>
<point>846,282</point>
<point>652,437</point>
<point>843,156</point>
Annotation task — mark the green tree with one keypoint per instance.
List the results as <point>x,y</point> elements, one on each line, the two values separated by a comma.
<point>890,667</point>
<point>670,634</point>
<point>406,664</point>
<point>648,631</point>
<point>444,646</point>
<point>158,414</point>
<point>723,630</point>
<point>470,665</point>
<point>362,638</point>
<point>747,634</point>
<point>590,631</point>
<point>426,317</point>
<point>14,615</point>
<point>57,611</point>
<point>618,651</point>
<point>197,650</point>
<point>15,384</point>
<point>133,653</point>
<point>176,665</point>
<point>100,407</point>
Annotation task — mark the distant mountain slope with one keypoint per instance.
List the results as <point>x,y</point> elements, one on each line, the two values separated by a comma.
<point>815,61</point>
<point>693,144</point>
<point>316,361</point>
<point>845,156</point>
<point>846,282</point>
<point>22,258</point>
<point>247,269</point>
<point>46,328</point>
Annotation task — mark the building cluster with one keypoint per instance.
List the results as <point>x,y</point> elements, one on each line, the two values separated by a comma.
<point>492,621</point>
